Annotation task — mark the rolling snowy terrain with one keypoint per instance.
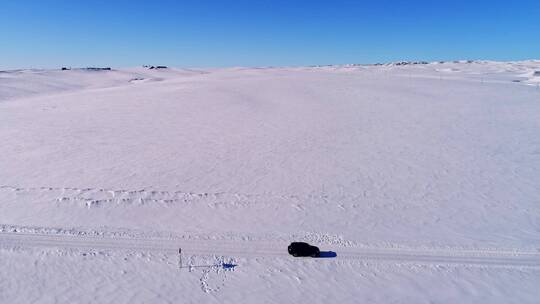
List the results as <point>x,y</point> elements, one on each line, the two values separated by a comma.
<point>424,179</point>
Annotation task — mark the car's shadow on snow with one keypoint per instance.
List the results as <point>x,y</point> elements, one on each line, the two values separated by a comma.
<point>327,254</point>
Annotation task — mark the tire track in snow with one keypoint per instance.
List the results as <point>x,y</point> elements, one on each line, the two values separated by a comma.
<point>254,249</point>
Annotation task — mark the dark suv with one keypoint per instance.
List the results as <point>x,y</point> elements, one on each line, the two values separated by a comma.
<point>301,249</point>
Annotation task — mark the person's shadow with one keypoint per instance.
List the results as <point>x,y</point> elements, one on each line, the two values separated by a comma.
<point>327,254</point>
<point>228,265</point>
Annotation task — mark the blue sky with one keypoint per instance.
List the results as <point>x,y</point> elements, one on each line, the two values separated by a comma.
<point>53,33</point>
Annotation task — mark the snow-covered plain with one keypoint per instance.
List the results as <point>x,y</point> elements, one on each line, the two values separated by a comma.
<point>424,180</point>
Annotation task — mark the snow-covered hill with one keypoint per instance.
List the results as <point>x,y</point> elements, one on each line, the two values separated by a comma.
<point>422,178</point>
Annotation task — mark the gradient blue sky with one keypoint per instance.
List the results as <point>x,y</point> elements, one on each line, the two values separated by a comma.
<point>53,33</point>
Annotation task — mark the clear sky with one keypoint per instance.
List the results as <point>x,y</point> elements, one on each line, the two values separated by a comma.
<point>53,33</point>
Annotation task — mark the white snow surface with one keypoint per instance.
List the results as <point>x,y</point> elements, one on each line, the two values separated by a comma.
<point>423,179</point>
